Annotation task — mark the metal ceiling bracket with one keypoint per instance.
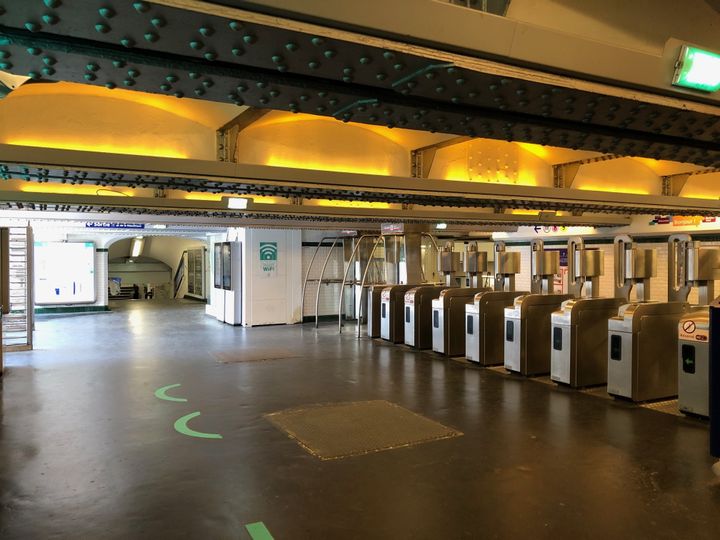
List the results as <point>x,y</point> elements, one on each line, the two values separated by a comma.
<point>421,159</point>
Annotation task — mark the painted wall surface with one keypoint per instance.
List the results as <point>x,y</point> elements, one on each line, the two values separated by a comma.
<point>319,143</point>
<point>102,123</point>
<point>271,296</point>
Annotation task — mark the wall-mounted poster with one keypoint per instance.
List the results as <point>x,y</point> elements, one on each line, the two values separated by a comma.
<point>217,266</point>
<point>64,273</point>
<point>227,266</point>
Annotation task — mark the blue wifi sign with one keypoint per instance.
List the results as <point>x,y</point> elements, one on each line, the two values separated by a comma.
<point>268,256</point>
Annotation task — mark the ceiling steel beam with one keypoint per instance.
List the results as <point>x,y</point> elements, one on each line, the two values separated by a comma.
<point>226,135</point>
<point>421,159</point>
<point>673,184</point>
<point>564,173</point>
<point>111,170</point>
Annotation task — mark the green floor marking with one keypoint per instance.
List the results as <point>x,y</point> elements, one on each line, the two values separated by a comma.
<point>160,393</point>
<point>182,427</point>
<point>258,531</point>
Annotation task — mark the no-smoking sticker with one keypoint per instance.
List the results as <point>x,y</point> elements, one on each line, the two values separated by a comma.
<point>688,330</point>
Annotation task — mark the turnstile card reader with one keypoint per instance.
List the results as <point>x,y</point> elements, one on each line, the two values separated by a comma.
<point>418,315</point>
<point>694,362</point>
<point>448,320</point>
<point>527,333</point>
<point>484,323</point>
<point>392,316</point>
<point>579,340</point>
<point>642,350</point>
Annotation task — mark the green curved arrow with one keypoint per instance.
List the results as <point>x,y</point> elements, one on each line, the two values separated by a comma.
<point>160,393</point>
<point>182,427</point>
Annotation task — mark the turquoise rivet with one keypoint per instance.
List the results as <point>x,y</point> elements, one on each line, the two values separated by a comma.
<point>313,65</point>
<point>455,99</point>
<point>196,44</point>
<point>33,51</point>
<point>472,95</point>
<point>92,66</point>
<point>90,77</point>
<point>440,89</point>
<point>235,25</point>
<point>399,66</point>
<point>451,70</point>
<point>347,79</point>
<point>5,54</point>
<point>199,91</point>
<point>142,7</point>
<point>333,101</point>
<point>127,42</point>
<point>165,87</point>
<point>50,19</point>
<point>263,100</point>
<point>373,118</point>
<point>348,71</point>
<point>5,65</point>
<point>207,31</point>
<point>134,73</point>
<point>210,56</point>
<point>317,41</point>
<point>158,22</point>
<point>329,53</point>
<point>277,59</point>
<point>52,3</point>
<point>237,51</point>
<point>388,55</point>
<point>304,97</point>
<point>365,60</point>
<point>381,76</point>
<point>171,78</point>
<point>129,82</point>
<point>106,12</point>
<point>249,39</point>
<point>321,109</point>
<point>110,85</point>
<point>152,37</point>
<point>261,84</point>
<point>194,75</point>
<point>292,47</point>
<point>207,83</point>
<point>119,63</point>
<point>405,91</point>
<point>274,93</point>
<point>241,88</point>
<point>493,87</point>
<point>430,75</point>
<point>33,27</point>
<point>460,81</point>
<point>231,97</point>
<point>102,28</point>
<point>178,94</point>
<point>322,94</point>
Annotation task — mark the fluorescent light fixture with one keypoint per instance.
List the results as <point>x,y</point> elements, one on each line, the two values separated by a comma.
<point>137,246</point>
<point>697,69</point>
<point>441,226</point>
<point>237,203</point>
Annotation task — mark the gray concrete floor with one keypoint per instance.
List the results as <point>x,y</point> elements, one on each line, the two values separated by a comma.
<point>87,451</point>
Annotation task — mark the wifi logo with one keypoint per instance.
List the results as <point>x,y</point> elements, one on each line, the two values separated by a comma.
<point>268,251</point>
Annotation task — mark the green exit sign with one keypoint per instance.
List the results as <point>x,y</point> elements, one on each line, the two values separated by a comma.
<point>697,69</point>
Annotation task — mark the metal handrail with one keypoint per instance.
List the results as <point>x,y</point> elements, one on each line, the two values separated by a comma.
<point>322,273</point>
<point>341,301</point>
<point>362,283</point>
<point>307,275</point>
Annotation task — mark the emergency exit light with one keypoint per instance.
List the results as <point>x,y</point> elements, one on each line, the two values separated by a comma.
<point>697,69</point>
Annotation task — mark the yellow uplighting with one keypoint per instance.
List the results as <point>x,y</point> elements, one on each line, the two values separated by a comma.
<point>523,212</point>
<point>203,197</point>
<point>129,149</point>
<point>543,152</point>
<point>66,189</point>
<point>278,161</point>
<point>348,204</point>
<point>267,200</point>
<point>613,189</point>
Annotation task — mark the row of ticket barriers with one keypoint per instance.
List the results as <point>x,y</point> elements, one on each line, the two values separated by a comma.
<point>642,350</point>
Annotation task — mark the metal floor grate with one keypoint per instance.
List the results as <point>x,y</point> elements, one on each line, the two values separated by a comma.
<point>340,430</point>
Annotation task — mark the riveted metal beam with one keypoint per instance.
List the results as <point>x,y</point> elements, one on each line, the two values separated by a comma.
<point>564,173</point>
<point>227,134</point>
<point>421,159</point>
<point>673,184</point>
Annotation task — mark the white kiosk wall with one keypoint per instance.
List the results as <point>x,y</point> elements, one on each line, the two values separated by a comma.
<point>64,273</point>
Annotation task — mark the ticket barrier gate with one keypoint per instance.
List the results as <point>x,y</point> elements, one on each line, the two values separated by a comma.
<point>485,316</point>
<point>418,315</point>
<point>527,322</point>
<point>392,313</point>
<point>579,327</point>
